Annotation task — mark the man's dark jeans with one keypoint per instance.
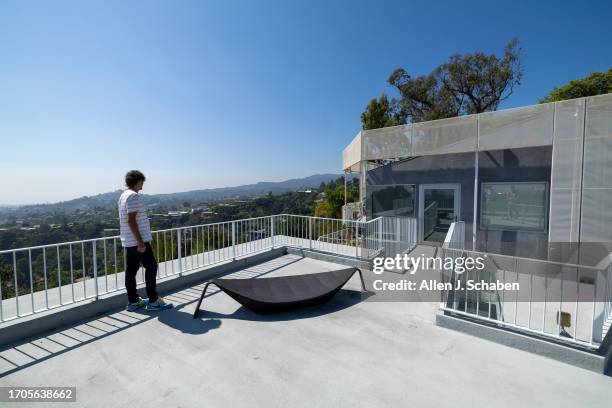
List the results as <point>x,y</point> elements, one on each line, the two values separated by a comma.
<point>134,260</point>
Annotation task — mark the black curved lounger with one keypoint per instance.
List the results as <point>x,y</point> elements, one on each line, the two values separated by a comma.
<point>282,293</point>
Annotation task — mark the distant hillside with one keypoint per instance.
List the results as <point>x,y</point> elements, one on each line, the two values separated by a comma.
<point>211,194</point>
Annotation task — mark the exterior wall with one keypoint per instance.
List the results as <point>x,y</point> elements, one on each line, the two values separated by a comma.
<point>447,168</point>
<point>514,165</point>
<point>510,165</point>
<point>566,183</point>
<point>581,191</point>
<point>596,208</point>
<point>567,143</point>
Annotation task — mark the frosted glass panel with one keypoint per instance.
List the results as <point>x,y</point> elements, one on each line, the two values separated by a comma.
<point>514,128</point>
<point>387,143</point>
<point>453,135</point>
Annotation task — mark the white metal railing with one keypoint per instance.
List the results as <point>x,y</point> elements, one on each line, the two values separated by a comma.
<point>454,242</point>
<point>605,276</point>
<point>337,236</point>
<point>359,239</point>
<point>550,292</point>
<point>455,237</point>
<point>399,234</point>
<point>45,277</point>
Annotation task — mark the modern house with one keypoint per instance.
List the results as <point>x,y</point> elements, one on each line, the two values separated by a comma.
<point>534,181</point>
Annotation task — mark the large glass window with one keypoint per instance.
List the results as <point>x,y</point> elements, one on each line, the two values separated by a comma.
<point>514,206</point>
<point>391,200</point>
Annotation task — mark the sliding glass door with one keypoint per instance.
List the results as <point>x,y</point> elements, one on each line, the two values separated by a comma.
<point>439,206</point>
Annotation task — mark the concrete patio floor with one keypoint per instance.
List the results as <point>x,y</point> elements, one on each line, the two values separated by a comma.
<point>347,352</point>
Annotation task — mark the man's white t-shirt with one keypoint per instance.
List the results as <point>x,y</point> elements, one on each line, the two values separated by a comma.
<point>129,201</point>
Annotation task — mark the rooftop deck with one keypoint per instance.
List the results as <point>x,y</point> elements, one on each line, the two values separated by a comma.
<point>347,352</point>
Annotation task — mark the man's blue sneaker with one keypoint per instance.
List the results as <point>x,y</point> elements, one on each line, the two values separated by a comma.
<point>160,304</point>
<point>137,305</point>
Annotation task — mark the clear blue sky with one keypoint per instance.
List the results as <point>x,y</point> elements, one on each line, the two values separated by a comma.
<point>217,93</point>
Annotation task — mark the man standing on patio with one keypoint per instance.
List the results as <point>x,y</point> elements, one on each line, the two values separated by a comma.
<point>136,237</point>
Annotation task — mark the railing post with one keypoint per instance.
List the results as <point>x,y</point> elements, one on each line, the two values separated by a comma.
<point>16,285</point>
<point>380,234</point>
<point>356,240</point>
<point>398,230</point>
<point>179,234</point>
<point>272,230</point>
<point>310,233</point>
<point>95,269</point>
<point>233,240</point>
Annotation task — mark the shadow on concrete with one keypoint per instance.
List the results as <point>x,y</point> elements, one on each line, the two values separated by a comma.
<point>342,300</point>
<point>185,323</point>
<point>41,348</point>
<point>34,350</point>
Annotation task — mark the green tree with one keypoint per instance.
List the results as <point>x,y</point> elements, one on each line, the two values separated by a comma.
<point>334,198</point>
<point>466,84</point>
<point>379,113</point>
<point>325,209</point>
<point>598,83</point>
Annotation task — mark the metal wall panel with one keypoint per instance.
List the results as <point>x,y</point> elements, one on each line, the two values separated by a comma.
<point>453,135</point>
<point>596,216</point>
<point>386,143</point>
<point>351,155</point>
<point>566,176</point>
<point>515,128</point>
<point>598,143</point>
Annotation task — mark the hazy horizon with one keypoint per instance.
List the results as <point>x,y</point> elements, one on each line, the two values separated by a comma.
<point>200,94</point>
<point>145,190</point>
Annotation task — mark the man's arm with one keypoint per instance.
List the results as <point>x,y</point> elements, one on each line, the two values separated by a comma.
<point>134,227</point>
<point>133,204</point>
